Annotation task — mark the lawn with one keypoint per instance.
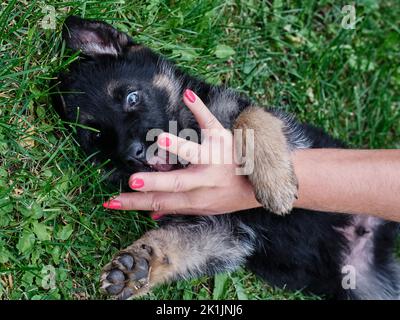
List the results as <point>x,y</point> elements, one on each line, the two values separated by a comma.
<point>54,234</point>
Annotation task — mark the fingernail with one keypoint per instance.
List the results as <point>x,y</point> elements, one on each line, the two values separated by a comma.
<point>189,94</point>
<point>137,183</point>
<point>112,204</point>
<point>164,141</point>
<point>156,216</point>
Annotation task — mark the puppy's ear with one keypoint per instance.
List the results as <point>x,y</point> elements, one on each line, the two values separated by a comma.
<point>93,37</point>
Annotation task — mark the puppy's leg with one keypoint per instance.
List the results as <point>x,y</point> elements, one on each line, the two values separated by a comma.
<point>175,251</point>
<point>272,175</point>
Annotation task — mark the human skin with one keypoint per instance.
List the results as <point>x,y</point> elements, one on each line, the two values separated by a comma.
<point>349,181</point>
<point>331,180</point>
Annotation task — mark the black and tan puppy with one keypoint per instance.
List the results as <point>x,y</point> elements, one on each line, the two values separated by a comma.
<point>123,90</point>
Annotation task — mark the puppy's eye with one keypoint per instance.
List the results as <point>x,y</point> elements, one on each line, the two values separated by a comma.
<point>132,99</point>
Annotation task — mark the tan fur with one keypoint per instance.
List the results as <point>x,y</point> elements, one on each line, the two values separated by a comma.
<point>273,176</point>
<point>166,82</point>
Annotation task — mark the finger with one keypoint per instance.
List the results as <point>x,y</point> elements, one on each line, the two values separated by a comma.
<point>149,201</point>
<point>202,114</point>
<point>172,181</point>
<point>187,150</point>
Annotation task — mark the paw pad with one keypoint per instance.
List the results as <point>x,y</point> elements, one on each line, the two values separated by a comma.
<point>127,261</point>
<point>126,275</point>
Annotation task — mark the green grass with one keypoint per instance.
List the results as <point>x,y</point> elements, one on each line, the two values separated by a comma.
<point>294,55</point>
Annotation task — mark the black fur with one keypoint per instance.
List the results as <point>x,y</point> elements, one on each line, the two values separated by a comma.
<point>301,251</point>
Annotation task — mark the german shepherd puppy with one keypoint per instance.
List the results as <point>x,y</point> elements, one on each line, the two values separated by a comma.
<point>123,89</point>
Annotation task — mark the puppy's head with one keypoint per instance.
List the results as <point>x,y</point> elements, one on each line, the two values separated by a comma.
<point>116,91</point>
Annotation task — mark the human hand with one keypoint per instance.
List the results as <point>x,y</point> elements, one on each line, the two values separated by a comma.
<point>206,187</point>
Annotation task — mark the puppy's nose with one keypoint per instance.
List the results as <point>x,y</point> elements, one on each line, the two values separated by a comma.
<point>136,152</point>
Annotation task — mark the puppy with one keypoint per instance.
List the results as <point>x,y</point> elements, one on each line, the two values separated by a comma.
<point>123,89</point>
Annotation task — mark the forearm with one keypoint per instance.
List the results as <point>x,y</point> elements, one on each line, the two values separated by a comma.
<point>349,181</point>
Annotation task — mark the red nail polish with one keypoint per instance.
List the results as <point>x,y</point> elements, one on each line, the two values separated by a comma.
<point>165,142</point>
<point>137,183</point>
<point>156,216</point>
<point>112,204</point>
<point>189,94</point>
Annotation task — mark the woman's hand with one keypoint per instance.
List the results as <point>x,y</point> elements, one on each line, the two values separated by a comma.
<point>206,187</point>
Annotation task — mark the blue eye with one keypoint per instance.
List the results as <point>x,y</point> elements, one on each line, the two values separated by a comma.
<point>132,98</point>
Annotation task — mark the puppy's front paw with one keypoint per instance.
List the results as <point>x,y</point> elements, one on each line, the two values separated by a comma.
<point>267,154</point>
<point>127,274</point>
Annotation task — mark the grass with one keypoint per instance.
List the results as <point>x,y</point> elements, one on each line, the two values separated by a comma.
<point>290,54</point>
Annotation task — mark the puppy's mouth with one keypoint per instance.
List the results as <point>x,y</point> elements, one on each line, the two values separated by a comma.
<point>156,163</point>
<point>160,163</point>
